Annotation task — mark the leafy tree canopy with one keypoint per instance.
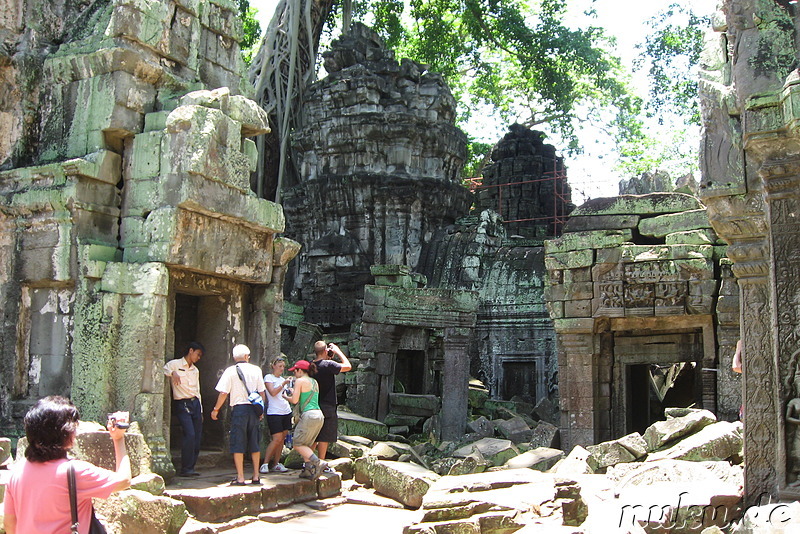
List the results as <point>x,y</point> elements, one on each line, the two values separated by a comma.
<point>251,29</point>
<point>514,57</point>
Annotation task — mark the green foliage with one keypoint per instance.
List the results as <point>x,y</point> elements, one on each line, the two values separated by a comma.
<point>672,49</point>
<point>673,152</point>
<point>251,30</point>
<point>516,57</point>
<point>477,156</point>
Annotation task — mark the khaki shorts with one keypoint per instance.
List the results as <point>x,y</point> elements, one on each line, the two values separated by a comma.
<point>305,433</point>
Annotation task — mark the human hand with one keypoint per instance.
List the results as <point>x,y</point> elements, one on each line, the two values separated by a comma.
<point>214,414</point>
<point>176,378</point>
<point>117,425</point>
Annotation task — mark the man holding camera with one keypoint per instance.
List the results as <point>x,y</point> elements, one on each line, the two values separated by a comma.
<point>185,379</point>
<point>327,369</point>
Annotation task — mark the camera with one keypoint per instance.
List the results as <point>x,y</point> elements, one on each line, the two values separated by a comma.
<point>119,420</point>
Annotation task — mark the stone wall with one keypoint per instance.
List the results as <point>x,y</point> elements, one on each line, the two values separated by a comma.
<point>127,226</point>
<point>379,160</point>
<point>749,89</point>
<point>640,291</point>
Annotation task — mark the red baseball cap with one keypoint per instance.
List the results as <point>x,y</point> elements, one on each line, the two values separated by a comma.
<point>302,364</point>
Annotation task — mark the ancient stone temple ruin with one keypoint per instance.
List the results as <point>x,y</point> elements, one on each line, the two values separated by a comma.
<point>646,312</point>
<point>127,225</point>
<point>751,172</point>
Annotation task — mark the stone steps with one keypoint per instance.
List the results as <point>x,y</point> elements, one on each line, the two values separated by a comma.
<point>209,498</point>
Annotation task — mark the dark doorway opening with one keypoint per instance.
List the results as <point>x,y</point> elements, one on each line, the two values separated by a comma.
<point>203,318</point>
<point>409,372</point>
<point>653,387</point>
<point>519,378</point>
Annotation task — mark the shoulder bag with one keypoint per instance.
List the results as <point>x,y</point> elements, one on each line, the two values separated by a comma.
<point>256,401</point>
<point>95,526</point>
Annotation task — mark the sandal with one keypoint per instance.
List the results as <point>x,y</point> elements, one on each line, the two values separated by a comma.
<point>235,482</point>
<point>256,481</point>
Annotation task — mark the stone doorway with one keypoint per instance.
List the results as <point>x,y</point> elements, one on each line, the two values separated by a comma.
<point>410,371</point>
<point>203,318</point>
<point>654,372</point>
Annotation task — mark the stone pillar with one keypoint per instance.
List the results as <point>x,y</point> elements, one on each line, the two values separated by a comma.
<point>576,382</point>
<point>455,382</point>
<point>742,220</point>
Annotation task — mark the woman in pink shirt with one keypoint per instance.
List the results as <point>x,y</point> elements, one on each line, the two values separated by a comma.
<point>37,495</point>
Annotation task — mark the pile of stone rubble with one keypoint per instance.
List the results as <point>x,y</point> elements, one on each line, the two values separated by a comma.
<point>683,474</point>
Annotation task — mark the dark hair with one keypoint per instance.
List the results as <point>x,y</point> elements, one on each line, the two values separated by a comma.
<point>49,427</point>
<point>312,369</point>
<point>193,345</point>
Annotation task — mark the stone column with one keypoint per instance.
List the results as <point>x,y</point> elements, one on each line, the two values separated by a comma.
<point>741,220</point>
<point>455,381</point>
<point>576,382</point>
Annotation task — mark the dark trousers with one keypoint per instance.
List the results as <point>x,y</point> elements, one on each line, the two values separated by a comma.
<point>190,416</point>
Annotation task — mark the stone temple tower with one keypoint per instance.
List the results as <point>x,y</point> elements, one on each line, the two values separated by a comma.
<point>379,160</point>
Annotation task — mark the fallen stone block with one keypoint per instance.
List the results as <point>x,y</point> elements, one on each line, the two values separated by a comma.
<point>406,483</point>
<point>545,435</point>
<point>539,459</point>
<point>417,405</point>
<point>574,464</point>
<point>678,471</point>
<point>142,512</point>
<point>662,433</point>
<point>382,451</point>
<point>150,482</point>
<point>482,427</point>
<point>284,514</point>
<point>495,451</point>
<point>468,466</point>
<point>515,429</point>
<point>343,466</point>
<point>718,441</point>
<point>370,498</point>
<point>351,424</point>
<point>343,449</point>
<point>607,454</point>
<point>325,504</point>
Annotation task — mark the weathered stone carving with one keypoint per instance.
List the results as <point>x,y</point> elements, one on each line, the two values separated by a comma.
<point>126,217</point>
<point>647,281</point>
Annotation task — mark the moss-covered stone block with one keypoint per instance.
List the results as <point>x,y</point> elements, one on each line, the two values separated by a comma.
<point>651,204</point>
<point>662,225</point>
<point>589,240</point>
<point>569,260</point>
<point>705,236</point>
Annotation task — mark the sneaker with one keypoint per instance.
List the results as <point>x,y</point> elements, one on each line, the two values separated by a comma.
<point>264,469</point>
<point>278,468</point>
<point>329,471</point>
<point>318,469</point>
<point>306,472</point>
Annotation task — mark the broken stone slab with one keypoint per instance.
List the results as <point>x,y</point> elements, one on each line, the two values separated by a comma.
<point>547,411</point>
<point>417,405</point>
<point>771,518</point>
<point>284,514</point>
<point>545,435</point>
<point>394,419</point>
<point>467,466</point>
<point>623,450</point>
<point>481,426</point>
<point>406,483</point>
<point>496,451</point>
<point>139,511</point>
<point>351,424</point>
<point>343,466</point>
<point>540,459</point>
<point>601,222</point>
<point>705,236</point>
<point>150,482</point>
<point>383,451</point>
<point>662,433</point>
<point>650,204</point>
<point>662,225</point>
<point>370,498</point>
<point>515,429</point>
<point>321,505</point>
<point>675,507</point>
<point>570,242</point>
<point>718,441</point>
<point>682,471</point>
<point>574,464</point>
<point>343,449</point>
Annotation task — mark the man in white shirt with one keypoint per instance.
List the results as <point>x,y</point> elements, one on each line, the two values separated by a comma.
<point>185,379</point>
<point>245,433</point>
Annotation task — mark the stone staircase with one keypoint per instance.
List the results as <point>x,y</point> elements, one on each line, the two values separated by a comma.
<point>209,498</point>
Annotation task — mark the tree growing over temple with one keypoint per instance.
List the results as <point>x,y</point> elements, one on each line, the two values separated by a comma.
<point>517,61</point>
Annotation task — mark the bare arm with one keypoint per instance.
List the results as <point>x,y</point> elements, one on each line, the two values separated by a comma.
<point>121,456</point>
<point>10,523</point>
<point>301,385</point>
<point>346,365</point>
<point>220,402</point>
<point>274,390</point>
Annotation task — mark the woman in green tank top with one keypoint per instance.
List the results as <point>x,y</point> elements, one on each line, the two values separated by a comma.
<point>306,394</point>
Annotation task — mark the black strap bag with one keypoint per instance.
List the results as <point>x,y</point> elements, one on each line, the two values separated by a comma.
<point>95,526</point>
